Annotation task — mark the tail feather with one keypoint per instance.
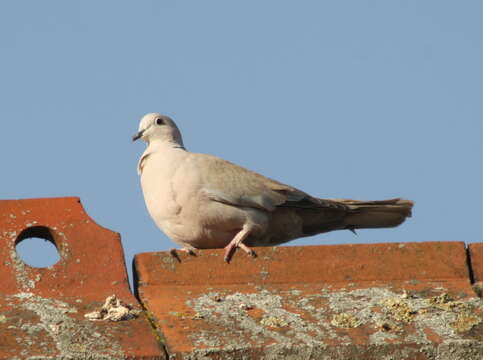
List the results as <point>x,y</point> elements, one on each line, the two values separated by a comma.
<point>376,214</point>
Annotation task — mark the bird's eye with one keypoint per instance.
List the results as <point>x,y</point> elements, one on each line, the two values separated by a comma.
<point>160,121</point>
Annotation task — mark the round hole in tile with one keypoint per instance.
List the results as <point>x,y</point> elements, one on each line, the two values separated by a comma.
<point>36,247</point>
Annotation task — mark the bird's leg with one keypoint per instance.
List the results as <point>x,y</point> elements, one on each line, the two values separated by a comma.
<point>237,241</point>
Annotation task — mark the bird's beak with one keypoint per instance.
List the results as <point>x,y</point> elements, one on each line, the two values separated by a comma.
<point>138,135</point>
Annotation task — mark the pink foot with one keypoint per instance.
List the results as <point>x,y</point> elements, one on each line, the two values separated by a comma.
<point>231,248</point>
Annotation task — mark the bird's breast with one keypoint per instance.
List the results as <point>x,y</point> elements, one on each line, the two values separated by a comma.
<point>156,183</point>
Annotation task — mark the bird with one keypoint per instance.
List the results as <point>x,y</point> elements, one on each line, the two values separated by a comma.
<point>201,201</point>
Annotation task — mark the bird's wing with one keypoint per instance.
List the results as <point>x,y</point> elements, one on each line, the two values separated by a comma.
<point>228,183</point>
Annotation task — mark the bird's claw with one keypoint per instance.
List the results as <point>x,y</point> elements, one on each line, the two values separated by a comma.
<point>174,252</point>
<point>230,250</point>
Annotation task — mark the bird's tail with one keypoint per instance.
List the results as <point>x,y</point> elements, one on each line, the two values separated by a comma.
<point>376,214</point>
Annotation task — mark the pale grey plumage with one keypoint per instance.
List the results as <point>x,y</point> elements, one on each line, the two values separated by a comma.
<point>202,201</point>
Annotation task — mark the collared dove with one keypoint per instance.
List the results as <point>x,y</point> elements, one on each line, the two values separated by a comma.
<point>204,202</point>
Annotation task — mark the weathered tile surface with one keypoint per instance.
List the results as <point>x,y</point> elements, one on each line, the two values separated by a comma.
<point>379,301</point>
<point>42,309</point>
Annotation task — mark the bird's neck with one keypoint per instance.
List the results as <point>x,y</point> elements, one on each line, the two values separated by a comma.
<point>158,145</point>
<point>168,154</point>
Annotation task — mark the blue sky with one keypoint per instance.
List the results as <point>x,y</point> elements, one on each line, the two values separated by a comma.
<point>354,99</point>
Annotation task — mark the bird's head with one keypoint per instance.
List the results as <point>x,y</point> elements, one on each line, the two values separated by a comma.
<point>158,127</point>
